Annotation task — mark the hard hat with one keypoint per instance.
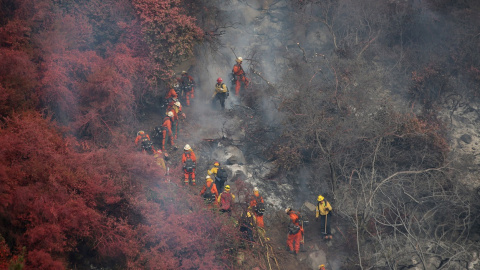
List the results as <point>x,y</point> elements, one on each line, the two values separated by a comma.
<point>287,210</point>
<point>216,163</point>
<point>255,189</point>
<point>176,85</point>
<point>170,114</point>
<point>209,178</point>
<point>187,147</point>
<point>178,104</point>
<point>184,72</point>
<point>239,59</point>
<point>320,198</point>
<point>141,132</point>
<point>227,187</point>
<point>219,80</point>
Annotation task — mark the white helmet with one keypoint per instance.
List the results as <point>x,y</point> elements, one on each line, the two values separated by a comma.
<point>239,59</point>
<point>255,189</point>
<point>170,114</point>
<point>187,147</point>
<point>178,104</point>
<point>176,85</point>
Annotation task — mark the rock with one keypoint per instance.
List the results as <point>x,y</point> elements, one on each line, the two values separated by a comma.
<point>229,155</point>
<point>316,258</point>
<point>466,138</point>
<point>309,206</point>
<point>433,263</point>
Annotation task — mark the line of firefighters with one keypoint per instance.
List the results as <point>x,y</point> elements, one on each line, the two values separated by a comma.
<point>215,193</point>
<point>183,89</point>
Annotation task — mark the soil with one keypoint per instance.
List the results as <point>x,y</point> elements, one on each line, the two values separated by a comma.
<point>192,132</point>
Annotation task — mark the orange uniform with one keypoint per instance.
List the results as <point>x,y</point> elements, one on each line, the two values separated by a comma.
<point>167,131</point>
<point>187,171</point>
<point>213,189</point>
<point>239,76</point>
<point>187,82</point>
<point>140,138</point>
<point>254,202</point>
<point>171,94</point>
<point>294,237</point>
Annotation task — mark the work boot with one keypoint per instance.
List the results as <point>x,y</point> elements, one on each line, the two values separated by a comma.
<point>291,252</point>
<point>193,184</point>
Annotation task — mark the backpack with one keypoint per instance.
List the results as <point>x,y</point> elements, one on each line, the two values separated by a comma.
<point>293,229</point>
<point>260,208</point>
<point>209,196</point>
<point>189,164</point>
<point>222,174</point>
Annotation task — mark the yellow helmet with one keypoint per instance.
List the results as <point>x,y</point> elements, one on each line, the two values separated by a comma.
<point>216,163</point>
<point>320,198</point>
<point>227,187</point>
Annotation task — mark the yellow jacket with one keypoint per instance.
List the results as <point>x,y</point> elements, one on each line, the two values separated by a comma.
<point>213,171</point>
<point>323,208</point>
<point>221,88</point>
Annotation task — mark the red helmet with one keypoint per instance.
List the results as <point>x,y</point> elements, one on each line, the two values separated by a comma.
<point>219,80</point>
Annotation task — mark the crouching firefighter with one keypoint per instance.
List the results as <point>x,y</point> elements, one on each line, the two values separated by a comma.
<point>209,192</point>
<point>225,201</point>
<point>295,231</point>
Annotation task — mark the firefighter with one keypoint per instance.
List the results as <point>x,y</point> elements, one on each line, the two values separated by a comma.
<point>145,142</point>
<point>221,93</point>
<point>189,162</point>
<point>220,174</point>
<point>225,201</point>
<point>239,76</point>
<point>321,267</point>
<point>209,191</point>
<point>295,231</point>
<point>187,87</point>
<point>324,210</point>
<point>176,108</point>
<point>167,130</point>
<point>258,206</point>
<point>141,136</point>
<point>247,224</point>
<point>159,159</point>
<point>171,94</point>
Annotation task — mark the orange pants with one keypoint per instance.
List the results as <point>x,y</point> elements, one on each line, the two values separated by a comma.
<point>259,221</point>
<point>188,175</point>
<point>297,238</point>
<point>238,80</point>
<point>165,133</point>
<point>189,95</point>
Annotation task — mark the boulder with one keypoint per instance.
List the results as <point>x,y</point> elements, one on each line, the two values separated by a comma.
<point>316,258</point>
<point>466,138</point>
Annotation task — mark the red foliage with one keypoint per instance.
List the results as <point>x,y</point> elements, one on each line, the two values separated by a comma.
<point>165,24</point>
<point>17,82</point>
<point>104,202</point>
